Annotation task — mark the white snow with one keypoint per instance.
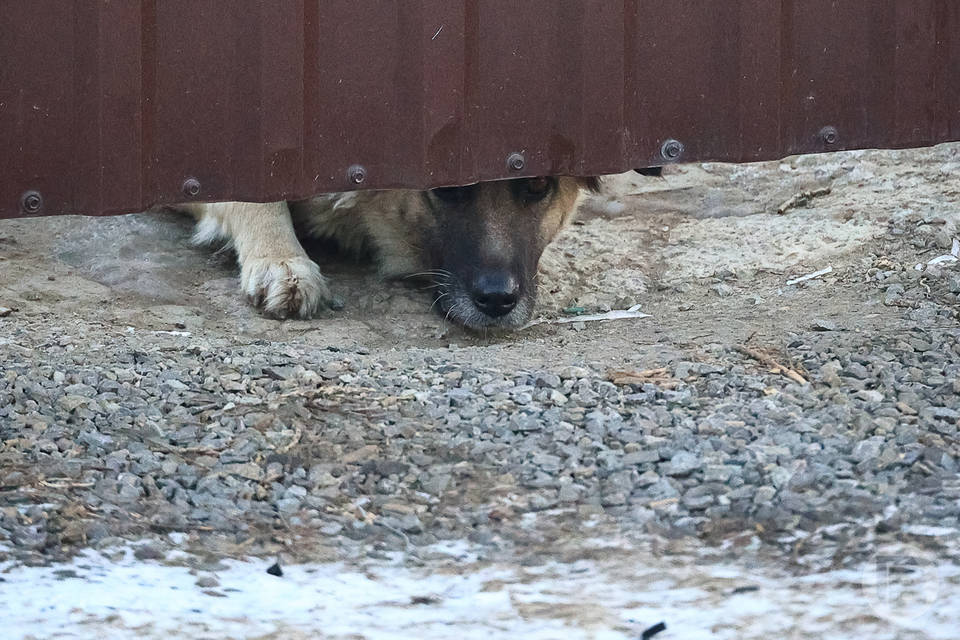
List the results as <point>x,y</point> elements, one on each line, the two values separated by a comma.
<point>611,599</point>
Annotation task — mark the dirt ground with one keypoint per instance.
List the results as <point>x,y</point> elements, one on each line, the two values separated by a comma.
<point>665,244</point>
<point>702,250</point>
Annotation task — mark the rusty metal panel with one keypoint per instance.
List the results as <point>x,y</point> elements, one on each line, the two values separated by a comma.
<point>110,106</point>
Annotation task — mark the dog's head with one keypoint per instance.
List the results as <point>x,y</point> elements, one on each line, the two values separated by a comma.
<point>480,244</point>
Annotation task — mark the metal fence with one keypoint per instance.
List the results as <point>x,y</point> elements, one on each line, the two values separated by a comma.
<point>110,106</point>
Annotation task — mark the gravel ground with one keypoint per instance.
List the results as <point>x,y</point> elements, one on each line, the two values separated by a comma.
<point>168,433</point>
<point>140,398</point>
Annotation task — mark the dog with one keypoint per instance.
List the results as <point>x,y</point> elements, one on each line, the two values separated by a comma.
<point>479,245</point>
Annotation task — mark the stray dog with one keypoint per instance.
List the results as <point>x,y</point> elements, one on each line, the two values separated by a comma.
<point>479,245</point>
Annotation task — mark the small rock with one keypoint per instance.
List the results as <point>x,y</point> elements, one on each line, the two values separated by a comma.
<point>717,473</point>
<point>894,292</point>
<point>682,463</point>
<point>906,409</point>
<point>830,374</point>
<point>363,453</point>
<point>780,476</point>
<point>73,402</point>
<point>570,492</point>
<point>697,501</point>
<point>648,478</point>
<point>176,385</point>
<point>868,449</point>
<point>547,380</point>
<point>574,373</point>
<point>148,552</point>
<point>722,289</point>
<point>857,370</point>
<point>641,457</point>
<point>940,413</point>
<point>288,505</point>
<point>870,395</point>
<point>247,470</point>
<point>764,495</point>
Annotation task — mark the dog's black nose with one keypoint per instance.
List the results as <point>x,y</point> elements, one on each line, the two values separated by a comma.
<point>496,293</point>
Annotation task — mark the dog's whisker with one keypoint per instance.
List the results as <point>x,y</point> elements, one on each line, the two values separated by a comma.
<point>436,273</point>
<point>439,298</point>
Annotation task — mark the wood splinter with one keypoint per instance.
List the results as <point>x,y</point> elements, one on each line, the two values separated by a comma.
<point>802,199</point>
<point>775,366</point>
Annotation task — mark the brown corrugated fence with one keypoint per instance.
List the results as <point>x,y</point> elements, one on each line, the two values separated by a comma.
<point>110,106</point>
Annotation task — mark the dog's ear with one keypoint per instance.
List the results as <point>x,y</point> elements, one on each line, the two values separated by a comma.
<point>591,183</point>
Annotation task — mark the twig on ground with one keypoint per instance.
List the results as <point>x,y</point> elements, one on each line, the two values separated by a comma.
<point>664,502</point>
<point>660,377</point>
<point>619,314</point>
<point>811,276</point>
<point>775,366</point>
<point>294,441</point>
<point>204,451</point>
<point>802,199</point>
<point>50,484</point>
<point>394,531</point>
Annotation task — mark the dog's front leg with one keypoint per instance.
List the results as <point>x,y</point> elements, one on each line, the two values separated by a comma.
<point>275,273</point>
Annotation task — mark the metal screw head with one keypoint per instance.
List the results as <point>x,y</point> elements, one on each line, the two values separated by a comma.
<point>829,135</point>
<point>516,162</point>
<point>31,202</point>
<point>671,149</point>
<point>356,174</point>
<point>191,187</point>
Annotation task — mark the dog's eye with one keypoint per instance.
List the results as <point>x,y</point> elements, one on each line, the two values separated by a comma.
<point>536,189</point>
<point>453,195</point>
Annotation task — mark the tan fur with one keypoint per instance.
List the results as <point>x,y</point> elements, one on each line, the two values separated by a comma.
<point>276,274</point>
<point>279,278</point>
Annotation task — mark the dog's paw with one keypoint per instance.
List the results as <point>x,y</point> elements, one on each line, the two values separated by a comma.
<point>286,287</point>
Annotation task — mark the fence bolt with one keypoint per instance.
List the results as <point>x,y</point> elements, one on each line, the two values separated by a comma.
<point>829,135</point>
<point>356,174</point>
<point>191,187</point>
<point>516,162</point>
<point>31,202</point>
<point>671,150</point>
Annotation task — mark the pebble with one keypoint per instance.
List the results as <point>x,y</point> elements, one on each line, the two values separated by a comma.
<point>697,502</point>
<point>764,495</point>
<point>824,325</point>
<point>641,457</point>
<point>722,289</point>
<point>717,473</point>
<point>232,438</point>
<point>682,464</point>
<point>857,370</point>
<point>870,395</point>
<point>148,552</point>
